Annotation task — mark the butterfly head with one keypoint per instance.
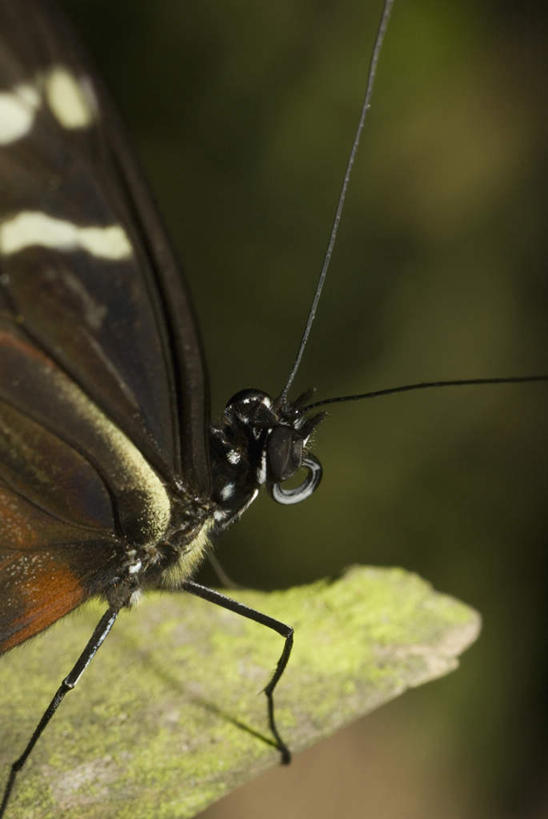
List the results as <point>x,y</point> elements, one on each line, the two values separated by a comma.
<point>262,442</point>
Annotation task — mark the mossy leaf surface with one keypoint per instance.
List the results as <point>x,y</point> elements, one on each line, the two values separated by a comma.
<point>169,716</point>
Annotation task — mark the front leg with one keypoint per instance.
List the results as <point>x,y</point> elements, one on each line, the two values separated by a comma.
<point>285,631</point>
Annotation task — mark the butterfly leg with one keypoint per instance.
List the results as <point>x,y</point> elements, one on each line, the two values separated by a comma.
<point>101,631</point>
<point>285,631</point>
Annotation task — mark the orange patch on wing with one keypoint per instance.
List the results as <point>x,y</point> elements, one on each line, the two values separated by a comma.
<point>46,590</point>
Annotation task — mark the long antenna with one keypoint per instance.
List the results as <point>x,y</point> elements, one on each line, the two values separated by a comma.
<point>381,31</point>
<point>426,385</point>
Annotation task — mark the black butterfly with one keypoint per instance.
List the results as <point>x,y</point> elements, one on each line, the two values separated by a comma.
<point>112,478</point>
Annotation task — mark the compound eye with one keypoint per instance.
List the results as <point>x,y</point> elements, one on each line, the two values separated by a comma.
<point>284,453</point>
<point>250,408</point>
<point>305,489</point>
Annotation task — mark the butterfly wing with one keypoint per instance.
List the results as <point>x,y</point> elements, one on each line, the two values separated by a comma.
<point>57,540</point>
<point>86,268</point>
<point>102,384</point>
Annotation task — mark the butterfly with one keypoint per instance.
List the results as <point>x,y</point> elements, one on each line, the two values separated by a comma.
<point>112,477</point>
<point>104,374</point>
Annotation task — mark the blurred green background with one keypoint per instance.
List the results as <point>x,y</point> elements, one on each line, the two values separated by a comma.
<point>243,114</point>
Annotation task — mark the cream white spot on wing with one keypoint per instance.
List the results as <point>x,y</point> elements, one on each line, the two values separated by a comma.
<point>17,111</point>
<point>70,99</point>
<point>30,228</point>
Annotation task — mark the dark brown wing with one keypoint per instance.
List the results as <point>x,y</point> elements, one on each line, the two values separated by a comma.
<point>85,270</point>
<point>102,386</point>
<point>57,541</point>
<point>38,588</point>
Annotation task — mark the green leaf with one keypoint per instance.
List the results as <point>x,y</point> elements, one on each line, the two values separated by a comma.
<point>169,716</point>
